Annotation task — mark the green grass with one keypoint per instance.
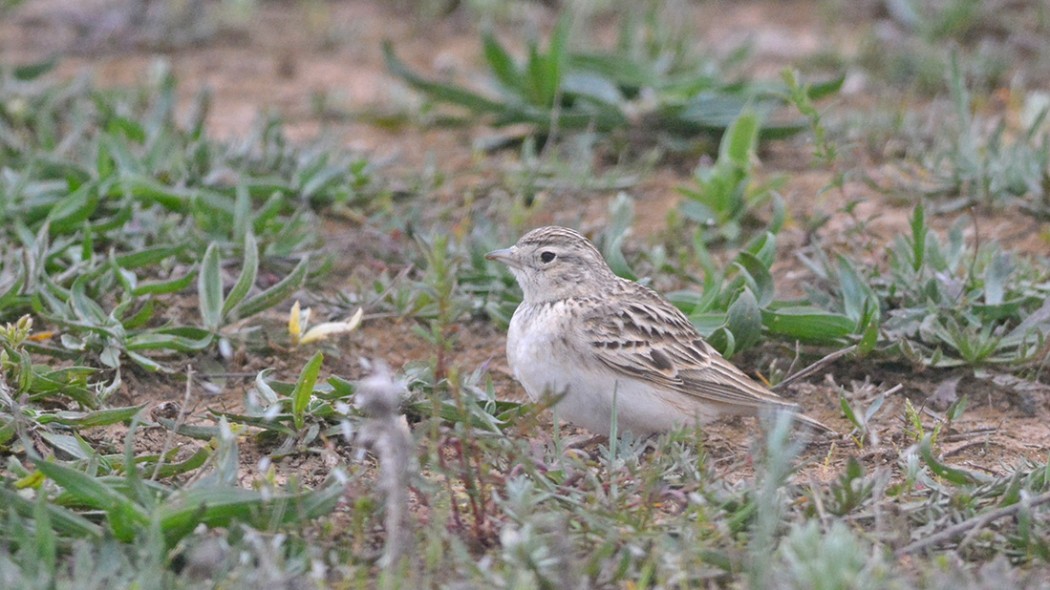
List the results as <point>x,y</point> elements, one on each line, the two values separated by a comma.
<point>944,303</point>
<point>556,89</point>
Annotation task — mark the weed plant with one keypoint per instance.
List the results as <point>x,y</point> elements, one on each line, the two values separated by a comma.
<point>558,89</point>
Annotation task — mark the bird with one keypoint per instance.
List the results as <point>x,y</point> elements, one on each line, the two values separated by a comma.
<point>598,341</point>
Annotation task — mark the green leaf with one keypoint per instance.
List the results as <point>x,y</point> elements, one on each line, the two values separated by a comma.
<point>438,91</point>
<point>126,162</point>
<point>869,327</point>
<point>71,212</point>
<point>553,64</point>
<point>268,422</point>
<point>34,70</point>
<point>171,339</point>
<point>217,507</point>
<point>919,232</point>
<point>275,294</point>
<point>723,341</point>
<point>209,288</point>
<point>955,411</point>
<point>246,280</point>
<point>764,248</point>
<point>856,294</point>
<point>952,474</point>
<point>93,419</point>
<point>147,256</point>
<point>995,277</point>
<point>819,90</point>
<point>304,389</point>
<point>341,388</point>
<point>167,287</point>
<point>46,553</point>
<point>501,63</point>
<point>744,320</point>
<point>62,519</point>
<point>85,308</point>
<point>125,518</point>
<point>143,361</point>
<point>65,443</point>
<point>194,461</point>
<point>808,324</point>
<point>761,279</point>
<point>740,140</point>
<point>147,189</point>
<point>242,211</point>
<point>592,87</point>
<point>847,410</point>
<point>7,432</point>
<point>129,128</point>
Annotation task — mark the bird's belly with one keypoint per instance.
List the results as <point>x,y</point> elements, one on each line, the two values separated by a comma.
<point>544,365</point>
<point>544,361</point>
<point>596,396</point>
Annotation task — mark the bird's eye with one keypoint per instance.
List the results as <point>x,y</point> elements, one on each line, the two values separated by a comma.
<point>547,256</point>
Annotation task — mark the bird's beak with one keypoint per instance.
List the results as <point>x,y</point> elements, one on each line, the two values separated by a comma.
<point>504,255</point>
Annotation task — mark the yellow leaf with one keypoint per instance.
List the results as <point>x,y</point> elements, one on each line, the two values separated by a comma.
<point>322,331</point>
<point>294,327</point>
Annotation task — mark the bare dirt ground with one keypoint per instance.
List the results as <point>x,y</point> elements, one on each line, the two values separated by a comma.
<point>285,60</point>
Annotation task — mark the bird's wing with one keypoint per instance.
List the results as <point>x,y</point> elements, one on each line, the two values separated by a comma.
<point>648,339</point>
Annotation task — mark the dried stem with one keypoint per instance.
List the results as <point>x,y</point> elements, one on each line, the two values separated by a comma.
<point>976,523</point>
<point>386,432</point>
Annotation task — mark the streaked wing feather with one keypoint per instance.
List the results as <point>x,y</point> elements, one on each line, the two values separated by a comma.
<point>651,340</point>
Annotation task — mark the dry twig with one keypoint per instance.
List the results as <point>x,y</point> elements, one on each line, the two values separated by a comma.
<point>973,524</point>
<point>386,432</point>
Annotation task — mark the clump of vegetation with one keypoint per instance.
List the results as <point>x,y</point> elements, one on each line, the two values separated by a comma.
<point>112,209</point>
<point>1002,168</point>
<point>557,89</point>
<point>943,303</point>
<point>113,212</point>
<point>725,194</point>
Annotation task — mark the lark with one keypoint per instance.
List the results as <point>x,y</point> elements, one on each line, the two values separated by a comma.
<point>600,341</point>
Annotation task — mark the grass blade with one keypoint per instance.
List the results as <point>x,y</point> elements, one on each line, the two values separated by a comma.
<point>443,92</point>
<point>249,270</point>
<point>275,294</point>
<point>209,288</point>
<point>304,389</point>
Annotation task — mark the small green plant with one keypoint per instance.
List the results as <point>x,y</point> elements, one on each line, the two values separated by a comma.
<point>102,235</point>
<point>559,89</point>
<point>943,303</point>
<point>443,307</point>
<point>851,490</point>
<point>49,404</point>
<point>294,416</point>
<point>825,152</point>
<point>836,558</point>
<point>861,420</point>
<point>724,194</point>
<point>129,506</point>
<point>991,168</point>
<point>218,309</point>
<point>739,302</point>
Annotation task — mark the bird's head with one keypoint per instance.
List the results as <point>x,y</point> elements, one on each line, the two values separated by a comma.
<point>552,263</point>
